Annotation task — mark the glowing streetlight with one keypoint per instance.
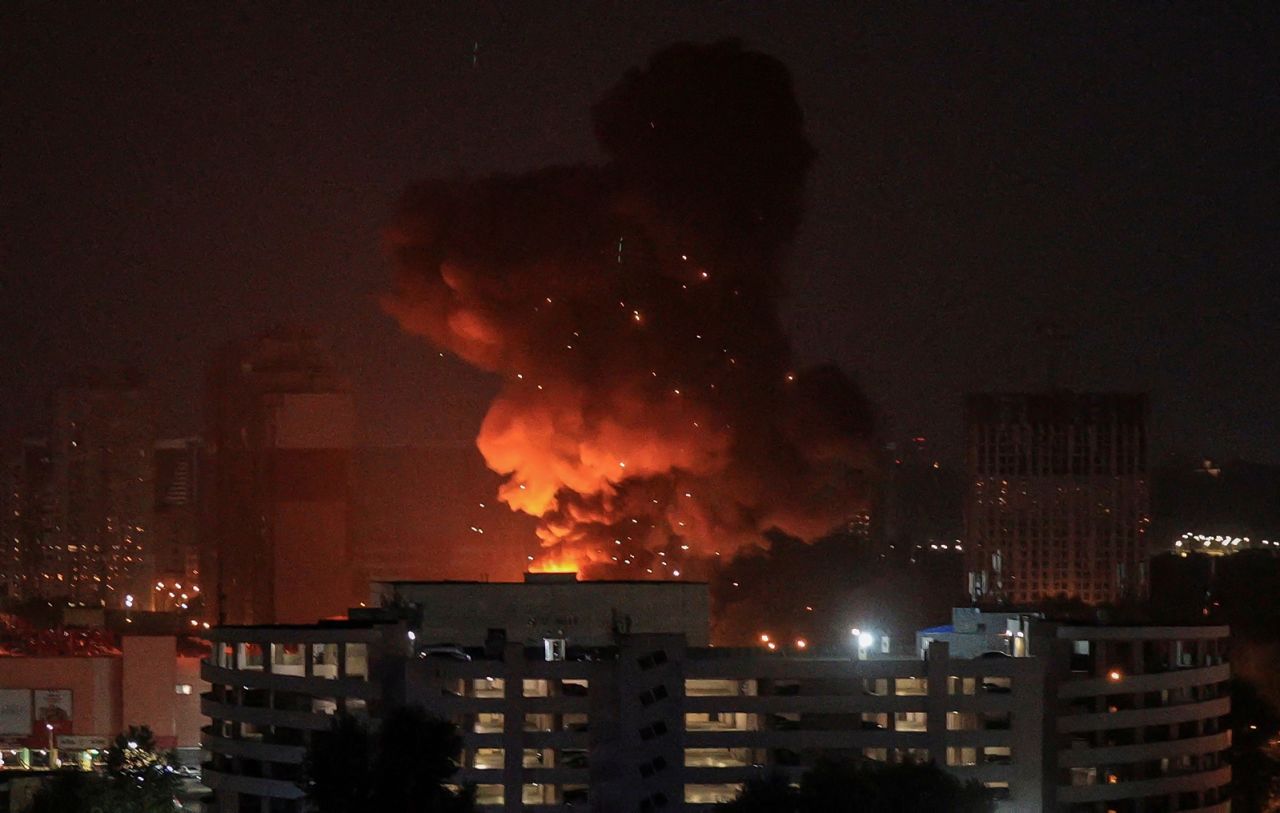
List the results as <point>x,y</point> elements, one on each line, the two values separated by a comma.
<point>865,640</point>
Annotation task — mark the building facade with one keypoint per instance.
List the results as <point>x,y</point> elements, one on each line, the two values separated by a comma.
<point>177,529</point>
<point>1056,718</point>
<point>1058,497</point>
<point>76,690</point>
<point>100,495</point>
<point>26,515</point>
<point>281,431</point>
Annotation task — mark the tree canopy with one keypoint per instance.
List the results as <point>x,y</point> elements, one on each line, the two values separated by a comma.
<point>865,787</point>
<point>404,765</point>
<point>139,779</point>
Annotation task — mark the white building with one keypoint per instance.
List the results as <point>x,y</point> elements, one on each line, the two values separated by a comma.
<point>1085,719</point>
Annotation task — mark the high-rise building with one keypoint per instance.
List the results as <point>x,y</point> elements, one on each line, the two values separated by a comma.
<point>1058,496</point>
<point>176,536</point>
<point>100,494</point>
<point>26,514</point>
<point>280,433</point>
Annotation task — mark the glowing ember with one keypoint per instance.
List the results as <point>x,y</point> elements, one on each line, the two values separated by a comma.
<point>615,420</point>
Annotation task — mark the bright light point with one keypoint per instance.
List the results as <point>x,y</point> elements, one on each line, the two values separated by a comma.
<point>764,638</point>
<point>866,639</point>
<point>412,635</point>
<point>801,643</point>
<point>855,632</point>
<point>621,464</point>
<point>675,573</point>
<point>1114,675</point>
<point>772,647</point>
<point>684,256</point>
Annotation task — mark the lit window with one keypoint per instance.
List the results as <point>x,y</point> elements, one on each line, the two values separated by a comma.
<point>182,688</point>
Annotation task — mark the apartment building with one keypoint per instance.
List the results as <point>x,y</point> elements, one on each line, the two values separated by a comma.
<point>1051,717</point>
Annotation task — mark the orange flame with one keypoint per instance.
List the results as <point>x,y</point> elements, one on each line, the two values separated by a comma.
<point>555,564</point>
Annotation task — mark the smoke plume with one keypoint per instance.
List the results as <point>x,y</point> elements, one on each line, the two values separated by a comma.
<point>650,413</point>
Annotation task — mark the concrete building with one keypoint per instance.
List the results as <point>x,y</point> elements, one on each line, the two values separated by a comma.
<point>100,494</point>
<point>176,532</point>
<point>1058,496</point>
<point>586,716</point>
<point>281,430</point>
<point>90,688</point>
<point>26,514</point>
<point>547,606</point>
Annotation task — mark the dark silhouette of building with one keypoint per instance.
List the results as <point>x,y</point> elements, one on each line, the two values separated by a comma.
<point>99,493</point>
<point>280,433</point>
<point>1058,496</point>
<point>26,514</point>
<point>176,536</point>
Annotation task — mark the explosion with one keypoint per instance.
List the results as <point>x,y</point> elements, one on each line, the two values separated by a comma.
<point>650,412</point>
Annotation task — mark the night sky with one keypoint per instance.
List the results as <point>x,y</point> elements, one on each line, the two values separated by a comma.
<point>172,177</point>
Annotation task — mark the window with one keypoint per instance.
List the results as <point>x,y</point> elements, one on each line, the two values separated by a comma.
<point>488,687</point>
<point>712,794</point>
<point>537,794</point>
<point>534,688</point>
<point>488,759</point>
<point>958,685</point>
<point>182,688</point>
<point>537,758</point>
<point>717,757</point>
<point>911,687</point>
<point>961,756</point>
<point>489,795</point>
<point>489,723</point>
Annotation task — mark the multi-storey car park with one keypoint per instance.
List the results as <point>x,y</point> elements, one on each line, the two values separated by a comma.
<point>563,709</point>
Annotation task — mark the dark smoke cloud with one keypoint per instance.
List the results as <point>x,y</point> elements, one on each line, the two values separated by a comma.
<point>651,412</point>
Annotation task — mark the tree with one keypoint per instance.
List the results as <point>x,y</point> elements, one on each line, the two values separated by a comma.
<point>773,794</point>
<point>416,755</point>
<point>139,779</point>
<point>337,767</point>
<point>866,787</point>
<point>1255,769</point>
<point>404,766</point>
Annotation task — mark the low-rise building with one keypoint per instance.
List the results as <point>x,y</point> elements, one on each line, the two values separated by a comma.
<point>75,690</point>
<point>1072,718</point>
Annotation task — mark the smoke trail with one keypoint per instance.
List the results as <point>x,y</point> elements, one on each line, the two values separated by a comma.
<point>650,410</point>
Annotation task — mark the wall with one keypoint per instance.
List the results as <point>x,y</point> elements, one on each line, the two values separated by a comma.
<point>582,612</point>
<point>95,683</point>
